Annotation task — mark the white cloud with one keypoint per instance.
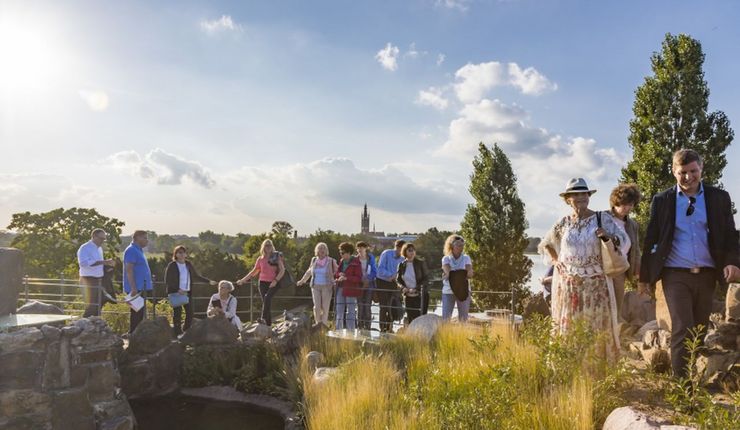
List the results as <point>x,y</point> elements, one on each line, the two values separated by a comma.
<point>474,81</point>
<point>529,80</point>
<point>412,51</point>
<point>432,97</point>
<point>223,24</point>
<point>388,57</point>
<point>96,100</point>
<point>163,167</point>
<point>461,5</point>
<point>440,59</point>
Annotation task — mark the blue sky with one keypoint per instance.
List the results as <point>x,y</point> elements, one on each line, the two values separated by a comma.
<point>185,116</point>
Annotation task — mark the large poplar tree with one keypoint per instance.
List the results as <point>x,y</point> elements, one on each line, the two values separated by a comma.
<point>670,113</point>
<point>494,230</point>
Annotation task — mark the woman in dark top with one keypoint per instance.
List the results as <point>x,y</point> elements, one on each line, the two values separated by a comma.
<point>412,278</point>
<point>349,287</point>
<point>179,277</point>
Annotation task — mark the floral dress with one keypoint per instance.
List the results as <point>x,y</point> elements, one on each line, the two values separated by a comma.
<point>580,289</point>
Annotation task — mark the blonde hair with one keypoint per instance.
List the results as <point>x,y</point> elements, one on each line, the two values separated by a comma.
<point>319,246</point>
<point>450,242</point>
<point>264,244</point>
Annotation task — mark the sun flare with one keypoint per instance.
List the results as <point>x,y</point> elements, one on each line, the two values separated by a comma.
<point>28,57</point>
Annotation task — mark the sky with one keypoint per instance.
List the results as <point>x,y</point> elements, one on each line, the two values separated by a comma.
<point>181,117</point>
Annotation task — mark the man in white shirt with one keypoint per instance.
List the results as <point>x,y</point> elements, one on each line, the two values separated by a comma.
<point>91,261</point>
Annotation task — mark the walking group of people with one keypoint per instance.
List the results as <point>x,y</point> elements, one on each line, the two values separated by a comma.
<point>691,243</point>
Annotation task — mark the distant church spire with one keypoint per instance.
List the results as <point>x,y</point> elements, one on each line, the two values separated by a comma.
<point>365,221</point>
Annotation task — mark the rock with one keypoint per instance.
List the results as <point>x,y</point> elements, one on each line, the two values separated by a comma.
<point>136,377</point>
<point>536,305</point>
<point>732,303</point>
<point>119,407</point>
<point>210,331</point>
<point>650,339</point>
<point>257,331</point>
<point>118,423</point>
<point>288,335</point>
<point>102,380</point>
<point>637,309</point>
<point>650,325</point>
<point>11,278</point>
<point>71,409</point>
<point>657,358</point>
<point>23,339</point>
<point>36,307</point>
<point>323,374</point>
<point>723,338</point>
<point>425,326</point>
<point>314,359</point>
<point>664,339</point>
<point>715,366</point>
<point>167,365</point>
<point>51,333</point>
<point>22,369</point>
<point>150,336</point>
<point>70,331</point>
<point>95,332</point>
<point>628,418</point>
<point>627,331</point>
<point>16,403</point>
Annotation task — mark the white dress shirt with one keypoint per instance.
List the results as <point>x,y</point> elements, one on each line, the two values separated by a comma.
<point>89,254</point>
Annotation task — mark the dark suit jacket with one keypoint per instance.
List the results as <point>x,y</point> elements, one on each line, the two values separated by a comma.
<point>172,276</point>
<point>723,237</point>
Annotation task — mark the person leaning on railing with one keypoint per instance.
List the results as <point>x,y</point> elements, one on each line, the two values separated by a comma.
<point>412,279</point>
<point>455,261</point>
<point>271,269</point>
<point>224,304</point>
<point>179,277</point>
<point>321,272</point>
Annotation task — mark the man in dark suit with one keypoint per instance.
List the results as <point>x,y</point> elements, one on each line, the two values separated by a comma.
<point>690,244</point>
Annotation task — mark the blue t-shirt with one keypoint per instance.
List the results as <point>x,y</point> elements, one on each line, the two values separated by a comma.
<point>142,274</point>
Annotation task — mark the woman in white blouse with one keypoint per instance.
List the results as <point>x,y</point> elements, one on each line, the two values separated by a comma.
<point>321,273</point>
<point>224,304</point>
<point>455,261</point>
<point>180,275</point>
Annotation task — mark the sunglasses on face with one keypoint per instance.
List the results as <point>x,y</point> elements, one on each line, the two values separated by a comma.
<point>690,210</point>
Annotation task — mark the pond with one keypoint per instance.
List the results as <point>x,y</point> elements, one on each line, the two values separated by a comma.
<point>190,413</point>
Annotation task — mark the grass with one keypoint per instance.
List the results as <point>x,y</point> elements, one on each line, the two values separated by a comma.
<point>467,377</point>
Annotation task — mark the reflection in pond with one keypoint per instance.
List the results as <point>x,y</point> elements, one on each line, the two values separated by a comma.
<point>189,413</point>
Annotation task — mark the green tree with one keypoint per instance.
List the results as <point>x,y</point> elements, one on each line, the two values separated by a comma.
<point>282,228</point>
<point>670,113</point>
<point>49,240</point>
<point>494,230</point>
<point>430,246</point>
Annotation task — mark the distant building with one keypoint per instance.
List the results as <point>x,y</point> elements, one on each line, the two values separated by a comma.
<point>365,221</point>
<point>379,236</point>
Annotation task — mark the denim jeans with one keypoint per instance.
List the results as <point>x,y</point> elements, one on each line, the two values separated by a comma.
<point>340,304</point>
<point>448,304</point>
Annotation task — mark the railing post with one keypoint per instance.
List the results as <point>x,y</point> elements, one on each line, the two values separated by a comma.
<point>61,288</point>
<point>25,287</point>
<point>154,301</point>
<point>513,305</point>
<point>251,300</point>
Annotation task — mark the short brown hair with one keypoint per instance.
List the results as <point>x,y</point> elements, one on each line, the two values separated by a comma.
<point>362,244</point>
<point>346,247</point>
<point>399,242</point>
<point>406,247</point>
<point>138,234</point>
<point>683,157</point>
<point>625,194</point>
<point>178,248</point>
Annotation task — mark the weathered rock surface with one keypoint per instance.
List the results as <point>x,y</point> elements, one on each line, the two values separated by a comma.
<point>716,366</point>
<point>323,373</point>
<point>628,418</point>
<point>36,307</point>
<point>11,276</point>
<point>425,326</point>
<point>150,336</point>
<point>257,331</point>
<point>314,360</point>
<point>288,334</point>
<point>637,309</point>
<point>210,331</point>
<point>732,303</point>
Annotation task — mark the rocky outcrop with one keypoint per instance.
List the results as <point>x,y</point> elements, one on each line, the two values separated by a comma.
<point>628,418</point>
<point>425,326</point>
<point>210,331</point>
<point>36,307</point>
<point>152,363</point>
<point>67,378</point>
<point>288,334</point>
<point>732,303</point>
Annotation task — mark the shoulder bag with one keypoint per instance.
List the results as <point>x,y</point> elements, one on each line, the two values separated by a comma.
<point>612,260</point>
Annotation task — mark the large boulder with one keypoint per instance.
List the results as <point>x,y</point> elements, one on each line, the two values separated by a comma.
<point>210,331</point>
<point>36,307</point>
<point>425,326</point>
<point>724,337</point>
<point>287,336</point>
<point>256,331</point>
<point>629,418</point>
<point>732,303</point>
<point>716,366</point>
<point>150,336</point>
<point>11,278</point>
<point>314,360</point>
<point>637,309</point>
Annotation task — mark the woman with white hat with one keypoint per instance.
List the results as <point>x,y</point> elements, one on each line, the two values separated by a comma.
<point>224,304</point>
<point>580,289</point>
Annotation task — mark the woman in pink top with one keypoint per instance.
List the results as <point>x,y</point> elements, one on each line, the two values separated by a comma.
<point>271,269</point>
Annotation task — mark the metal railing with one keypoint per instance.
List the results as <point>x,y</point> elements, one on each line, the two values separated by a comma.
<point>69,295</point>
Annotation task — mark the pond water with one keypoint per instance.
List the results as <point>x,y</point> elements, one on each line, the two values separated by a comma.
<point>188,413</point>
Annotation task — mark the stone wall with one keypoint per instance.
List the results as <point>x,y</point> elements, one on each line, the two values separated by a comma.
<point>11,274</point>
<point>62,378</point>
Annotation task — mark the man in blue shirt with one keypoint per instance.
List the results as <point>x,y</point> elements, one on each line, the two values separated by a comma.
<point>386,284</point>
<point>690,244</point>
<point>137,277</point>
